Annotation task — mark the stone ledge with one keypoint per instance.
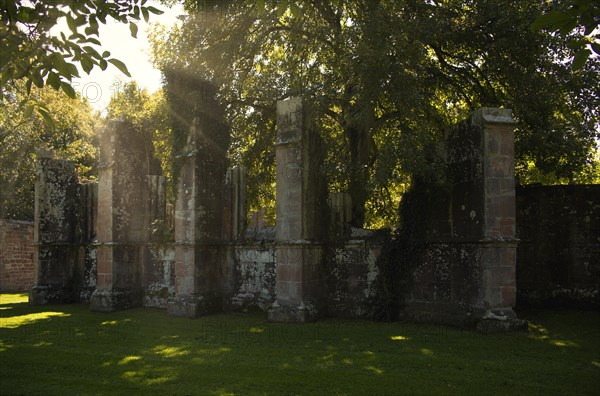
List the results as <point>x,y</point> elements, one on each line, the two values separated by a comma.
<point>303,313</point>
<point>114,300</point>
<point>492,115</point>
<point>51,294</point>
<point>493,326</point>
<point>192,306</point>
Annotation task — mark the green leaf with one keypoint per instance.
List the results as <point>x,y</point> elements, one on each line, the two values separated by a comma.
<point>53,80</point>
<point>87,64</point>
<point>103,64</point>
<point>77,36</point>
<point>80,20</point>
<point>121,66</point>
<point>72,70</point>
<point>71,23</point>
<point>94,25</point>
<point>92,51</point>
<point>61,66</point>
<point>28,86</point>
<point>106,54</point>
<point>296,11</point>
<point>93,41</point>
<point>580,58</point>
<point>68,89</point>
<point>145,14</point>
<point>37,79</point>
<point>133,29</point>
<point>553,20</point>
<point>46,116</point>
<point>91,30</point>
<point>28,111</point>
<point>281,10</point>
<point>596,48</point>
<point>261,6</point>
<point>154,10</point>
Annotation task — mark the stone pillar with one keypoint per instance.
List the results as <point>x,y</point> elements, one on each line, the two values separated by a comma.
<point>466,255</point>
<point>199,244</point>
<point>499,245</point>
<point>298,228</point>
<point>122,217</point>
<point>56,270</point>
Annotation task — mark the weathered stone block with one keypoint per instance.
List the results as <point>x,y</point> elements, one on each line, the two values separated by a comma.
<point>301,313</point>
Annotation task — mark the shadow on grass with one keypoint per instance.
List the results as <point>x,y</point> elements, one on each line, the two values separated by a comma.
<point>68,349</point>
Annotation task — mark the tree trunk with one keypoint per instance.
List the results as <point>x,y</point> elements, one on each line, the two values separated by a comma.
<point>359,141</point>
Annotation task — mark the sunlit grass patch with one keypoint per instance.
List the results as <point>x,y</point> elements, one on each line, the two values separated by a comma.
<point>129,359</point>
<point>12,322</point>
<point>170,352</point>
<point>17,298</point>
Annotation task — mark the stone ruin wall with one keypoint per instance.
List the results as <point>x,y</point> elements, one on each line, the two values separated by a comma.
<point>93,240</point>
<point>465,274</point>
<point>558,258</point>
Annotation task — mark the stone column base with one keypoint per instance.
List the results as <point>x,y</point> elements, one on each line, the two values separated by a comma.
<point>485,320</point>
<point>114,300</point>
<point>194,306</point>
<point>500,321</point>
<point>302,313</point>
<point>50,294</point>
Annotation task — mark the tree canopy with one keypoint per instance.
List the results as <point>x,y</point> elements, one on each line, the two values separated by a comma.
<point>33,53</point>
<point>386,78</point>
<point>72,134</point>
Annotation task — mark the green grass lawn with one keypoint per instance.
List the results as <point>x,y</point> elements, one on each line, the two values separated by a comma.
<point>66,349</point>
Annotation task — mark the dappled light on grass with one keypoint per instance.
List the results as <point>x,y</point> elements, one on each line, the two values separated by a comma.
<point>4,346</point>
<point>43,344</point>
<point>564,343</point>
<point>222,392</point>
<point>399,338</point>
<point>149,377</point>
<point>116,322</point>
<point>170,352</point>
<point>374,370</point>
<point>540,333</point>
<point>327,360</point>
<point>129,359</point>
<point>426,352</point>
<point>13,322</point>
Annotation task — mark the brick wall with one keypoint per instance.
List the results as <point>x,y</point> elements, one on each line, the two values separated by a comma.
<point>16,256</point>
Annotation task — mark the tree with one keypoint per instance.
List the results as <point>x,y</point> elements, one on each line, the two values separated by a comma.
<point>71,135</point>
<point>30,52</point>
<point>578,24</point>
<point>386,78</point>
